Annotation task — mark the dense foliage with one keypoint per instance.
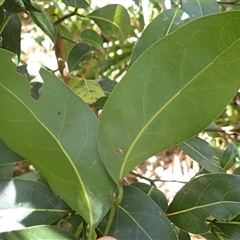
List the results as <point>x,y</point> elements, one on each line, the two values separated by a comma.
<point>117,91</point>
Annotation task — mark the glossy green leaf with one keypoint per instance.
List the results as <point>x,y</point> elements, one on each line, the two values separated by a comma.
<point>2,17</point>
<point>139,217</point>
<point>76,3</point>
<point>7,155</point>
<point>230,155</point>
<point>199,8</point>
<point>160,103</point>
<point>57,134</point>
<point>165,23</point>
<point>99,104</point>
<point>38,232</point>
<point>89,90</point>
<point>113,20</point>
<point>67,45</point>
<point>29,203</point>
<point>156,195</point>
<point>80,52</point>
<point>92,38</point>
<point>213,196</point>
<point>199,151</point>
<point>44,22</point>
<point>11,34</point>
<point>14,6</point>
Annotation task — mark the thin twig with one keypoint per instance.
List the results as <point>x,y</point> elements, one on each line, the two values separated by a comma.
<point>60,20</point>
<point>152,181</point>
<point>227,129</point>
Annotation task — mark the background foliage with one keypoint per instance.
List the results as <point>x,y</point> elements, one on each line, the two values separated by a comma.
<point>117,85</point>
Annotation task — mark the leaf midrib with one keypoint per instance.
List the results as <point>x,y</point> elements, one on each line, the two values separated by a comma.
<point>164,106</point>
<point>65,153</point>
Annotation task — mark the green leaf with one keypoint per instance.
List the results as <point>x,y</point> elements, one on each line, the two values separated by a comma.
<point>165,23</point>
<point>229,156</point>
<point>29,203</point>
<point>99,104</point>
<point>156,195</point>
<point>199,8</point>
<point>11,34</point>
<point>14,6</point>
<point>159,103</point>
<point>6,171</point>
<point>89,90</point>
<point>92,38</point>
<point>107,85</point>
<point>33,176</point>
<point>80,52</point>
<point>199,151</point>
<point>144,220</point>
<point>113,20</point>
<point>57,134</point>
<point>76,3</point>
<point>7,155</point>
<point>230,230</point>
<point>213,196</point>
<point>38,232</point>
<point>44,22</point>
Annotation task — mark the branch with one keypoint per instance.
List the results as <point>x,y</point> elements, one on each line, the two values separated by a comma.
<point>156,180</point>
<point>227,129</point>
<point>60,20</point>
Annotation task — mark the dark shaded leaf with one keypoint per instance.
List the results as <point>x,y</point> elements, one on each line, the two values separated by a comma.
<point>7,155</point>
<point>11,34</point>
<point>14,6</point>
<point>199,151</point>
<point>107,85</point>
<point>139,217</point>
<point>80,52</point>
<point>2,17</point>
<point>229,156</point>
<point>156,195</point>
<point>213,196</point>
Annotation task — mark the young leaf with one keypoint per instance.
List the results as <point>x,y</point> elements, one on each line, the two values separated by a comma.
<point>199,150</point>
<point>44,22</point>
<point>80,52</point>
<point>139,217</point>
<point>38,232</point>
<point>160,102</point>
<point>165,23</point>
<point>92,38</point>
<point>89,90</point>
<point>213,196</point>
<point>23,201</point>
<point>199,8</point>
<point>76,4</point>
<point>7,155</point>
<point>57,134</point>
<point>113,20</point>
